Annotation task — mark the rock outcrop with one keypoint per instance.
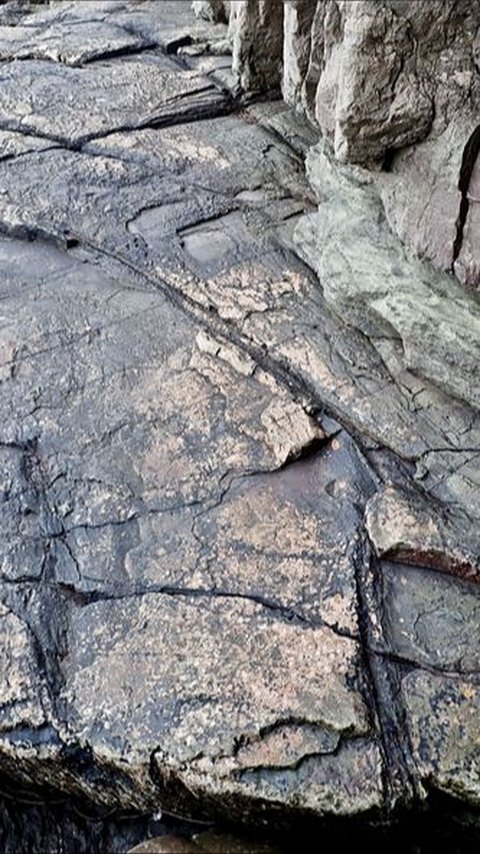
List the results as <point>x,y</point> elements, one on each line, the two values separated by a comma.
<point>389,83</point>
<point>239,558</point>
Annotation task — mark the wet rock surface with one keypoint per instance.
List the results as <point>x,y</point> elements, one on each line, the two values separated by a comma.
<point>239,553</point>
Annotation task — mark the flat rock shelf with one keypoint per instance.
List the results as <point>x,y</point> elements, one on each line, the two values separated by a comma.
<point>240,478</point>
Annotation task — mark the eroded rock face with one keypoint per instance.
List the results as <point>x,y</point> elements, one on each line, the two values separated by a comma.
<point>395,84</point>
<point>256,27</point>
<point>297,35</point>
<point>373,284</point>
<point>239,548</point>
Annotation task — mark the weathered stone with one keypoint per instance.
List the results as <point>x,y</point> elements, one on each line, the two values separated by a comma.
<point>135,92</point>
<point>421,196</point>
<point>257,31</point>
<point>104,524</point>
<point>467,260</point>
<point>430,619</point>
<point>407,528</point>
<point>195,617</point>
<point>378,102</point>
<point>372,283</point>
<point>211,10</point>
<point>209,842</point>
<point>318,52</point>
<point>443,716</point>
<point>298,18</point>
<point>166,845</point>
<point>227,662</point>
<point>24,694</point>
<point>388,83</point>
<point>74,45</point>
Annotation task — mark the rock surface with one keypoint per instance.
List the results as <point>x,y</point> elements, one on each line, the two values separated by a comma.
<point>211,10</point>
<point>239,549</point>
<point>389,83</point>
<point>256,28</point>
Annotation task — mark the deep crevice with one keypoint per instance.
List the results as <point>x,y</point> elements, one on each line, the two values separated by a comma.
<point>469,157</point>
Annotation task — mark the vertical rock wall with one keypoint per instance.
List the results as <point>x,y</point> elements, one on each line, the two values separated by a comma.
<point>394,86</point>
<point>257,33</point>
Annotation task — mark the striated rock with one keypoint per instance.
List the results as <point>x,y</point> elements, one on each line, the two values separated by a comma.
<point>377,73</point>
<point>421,197</point>
<point>137,91</point>
<point>391,84</point>
<point>73,44</point>
<point>298,19</point>
<point>467,247</point>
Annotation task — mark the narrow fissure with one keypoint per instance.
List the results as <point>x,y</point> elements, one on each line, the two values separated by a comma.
<point>469,157</point>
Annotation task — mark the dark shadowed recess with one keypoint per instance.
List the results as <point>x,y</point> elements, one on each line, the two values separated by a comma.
<point>47,822</point>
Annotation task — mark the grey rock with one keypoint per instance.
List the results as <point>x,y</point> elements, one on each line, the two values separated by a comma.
<point>467,260</point>
<point>443,715</point>
<point>391,84</point>
<point>72,45</point>
<point>256,27</point>
<point>430,619</point>
<point>215,466</point>
<point>363,103</point>
<point>211,10</point>
<point>421,196</point>
<point>219,688</point>
<point>325,19</point>
<point>135,92</point>
<point>374,285</point>
<point>298,19</point>
<point>406,529</point>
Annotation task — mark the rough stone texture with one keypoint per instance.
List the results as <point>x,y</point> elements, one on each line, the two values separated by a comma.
<point>408,529</point>
<point>443,714</point>
<point>421,196</point>
<point>207,843</point>
<point>467,260</point>
<point>374,285</point>
<point>396,84</point>
<point>72,45</point>
<point>216,467</point>
<point>134,92</point>
<point>256,27</point>
<point>298,19</point>
<point>211,10</point>
<point>384,70</point>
